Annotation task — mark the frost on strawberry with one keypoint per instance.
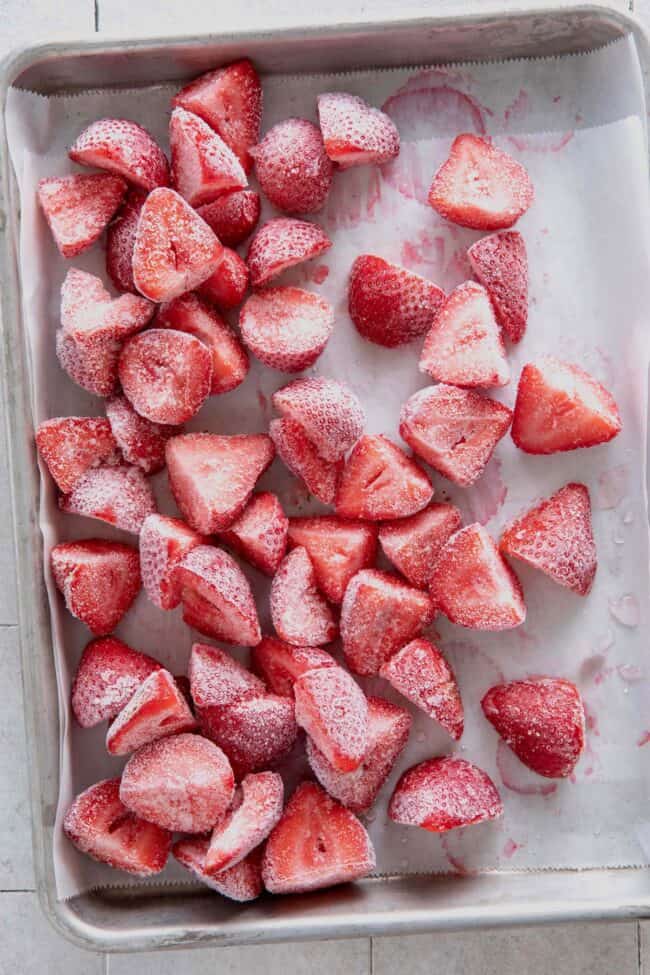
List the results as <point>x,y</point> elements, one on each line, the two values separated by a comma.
<point>281,664</point>
<point>355,133</point>
<point>256,810</point>
<point>333,710</point>
<point>300,456</point>
<point>300,614</point>
<point>216,596</point>
<point>282,243</point>
<point>141,442</point>
<point>99,580</point>
<point>259,535</point>
<point>120,241</point>
<point>328,411</point>
<point>241,883</point>
<point>218,680</point>
<point>227,286</point>
<point>122,147</point>
<point>338,549</point>
<point>444,793</point>
<point>156,710</point>
<point>292,167</point>
<point>286,328</point>
<point>70,445</point>
<point>413,544</point>
<point>420,672</point>
<point>108,675</point>
<point>203,165</point>
<point>233,216</point>
<point>255,732</point>
<point>119,495</point>
<point>500,263</point>
<point>163,543</point>
<point>78,208</point>
<point>379,482</point>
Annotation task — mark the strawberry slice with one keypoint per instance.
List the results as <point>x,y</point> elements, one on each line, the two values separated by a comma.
<point>122,147</point>
<point>70,445</point>
<point>480,186</point>
<point>215,578</point>
<point>203,166</point>
<point>99,824</point>
<point>420,672</point>
<point>227,287</point>
<point>99,580</point>
<point>454,430</point>
<point>121,496</point>
<point>500,263</point>
<point>163,543</point>
<point>542,720</point>
<point>108,675</point>
<point>78,208</point>
<point>388,304</point>
<point>286,328</point>
<point>561,407</point>
<point>243,882</point>
<point>379,614</point>
<point>233,216</point>
<point>255,733</point>
<point>355,133</point>
<point>282,243</point>
<point>256,810</point>
<point>217,679</point>
<point>156,710</point>
<point>317,843</point>
<point>120,241</point>
<point>300,614</point>
<point>333,710</point>
<point>474,586</point>
<point>292,167</point>
<point>338,549</point>
<point>142,442</point>
<point>444,793</point>
<point>212,476</point>
<point>464,346</point>
<point>281,664</point>
<point>379,481</point>
<point>260,533</point>
<point>413,544</point>
<point>300,456</point>
<point>329,412</point>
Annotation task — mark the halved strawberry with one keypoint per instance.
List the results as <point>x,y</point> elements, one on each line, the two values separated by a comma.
<point>474,586</point>
<point>99,580</point>
<point>413,544</point>
<point>209,574</point>
<point>300,614</point>
<point>480,186</point>
<point>108,675</point>
<point>281,664</point>
<point>212,476</point>
<point>256,810</point>
<point>299,454</point>
<point>120,241</point>
<point>420,672</point>
<point>227,287</point>
<point>333,710</point>
<point>142,442</point>
<point>100,825</point>
<point>317,843</point>
<point>542,719</point>
<point>70,445</point>
<point>338,549</point>
<point>388,304</point>
<point>203,166</point>
<point>292,167</point>
<point>286,328</point>
<point>329,412</point>
<point>78,208</point>
<point>121,496</point>
<point>156,710</point>
<point>282,243</point>
<point>500,263</point>
<point>217,679</point>
<point>560,407</point>
<point>255,732</point>
<point>379,614</point>
<point>233,216</point>
<point>260,533</point>
<point>444,793</point>
<point>163,543</point>
<point>355,133</point>
<point>243,882</point>
<point>122,147</point>
<point>379,481</point>
<point>454,430</point>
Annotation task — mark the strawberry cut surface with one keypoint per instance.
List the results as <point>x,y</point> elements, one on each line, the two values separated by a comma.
<point>108,675</point>
<point>120,241</point>
<point>333,710</point>
<point>355,133</point>
<point>300,614</point>
<point>70,445</point>
<point>99,580</point>
<point>203,165</point>
<point>233,216</point>
<point>241,883</point>
<point>120,496</point>
<point>259,535</point>
<point>420,672</point>
<point>282,243</point>
<point>156,710</point>
<point>125,148</point>
<point>255,732</point>
<point>380,481</point>
<point>217,679</point>
<point>413,544</point>
<point>281,664</point>
<point>292,167</point>
<point>338,549</point>
<point>78,208</point>
<point>163,543</point>
<point>255,811</point>
<point>227,286</point>
<point>444,793</point>
<point>301,457</point>
<point>328,411</point>
<point>142,442</point>
<point>500,263</point>
<point>286,328</point>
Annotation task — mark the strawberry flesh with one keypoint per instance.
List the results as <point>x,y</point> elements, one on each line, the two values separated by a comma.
<point>125,148</point>
<point>227,287</point>
<point>256,810</point>
<point>217,679</point>
<point>142,442</point>
<point>121,496</point>
<point>233,216</point>
<point>281,664</point>
<point>300,614</point>
<point>120,241</point>
<point>355,133</point>
<point>300,455</point>
<point>444,793</point>
<point>282,243</point>
<point>379,482</point>
<point>500,263</point>
<point>413,544</point>
<point>70,445</point>
<point>163,543</point>
<point>338,549</point>
<point>286,328</point>
<point>333,710</point>
<point>78,208</point>
<point>329,412</point>
<point>156,710</point>
<point>420,672</point>
<point>255,732</point>
<point>203,166</point>
<point>260,533</point>
<point>108,675</point>
<point>241,883</point>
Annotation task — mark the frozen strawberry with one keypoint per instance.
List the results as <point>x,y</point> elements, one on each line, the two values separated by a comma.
<point>78,208</point>
<point>255,733</point>
<point>120,241</point>
<point>333,710</point>
<point>420,672</point>
<point>300,614</point>
<point>281,664</point>
<point>338,549</point>
<point>379,481</point>
<point>292,167</point>
<point>99,580</point>
<point>260,533</point>
<point>256,810</point>
<point>500,263</point>
<point>480,186</point>
<point>474,586</point>
<point>561,407</point>
<point>413,544</point>
<point>203,166</point>
<point>213,576</point>
<point>122,147</point>
<point>183,684</point>
<point>212,476</point>
<point>243,882</point>
<point>227,287</point>
<point>156,710</point>
<point>286,328</point>
<point>355,133</point>
<point>108,675</point>
<point>388,304</point>
<point>282,243</point>
<point>542,719</point>
<point>233,216</point>
<point>100,825</point>
<point>444,793</point>
<point>70,445</point>
<point>217,679</point>
<point>380,613</point>
<point>163,543</point>
<point>174,249</point>
<point>121,496</point>
<point>454,430</point>
<point>299,454</point>
<point>329,412</point>
<point>317,843</point>
<point>142,442</point>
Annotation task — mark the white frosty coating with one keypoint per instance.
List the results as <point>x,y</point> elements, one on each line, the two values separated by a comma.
<point>203,166</point>
<point>413,544</point>
<point>248,823</point>
<point>163,543</point>
<point>333,710</point>
<point>213,576</point>
<point>79,207</point>
<point>156,710</point>
<point>122,147</point>
<point>292,166</point>
<point>328,411</point>
<point>443,794</point>
<point>255,732</point>
<point>243,882</point>
<point>286,328</point>
<point>260,532</point>
<point>355,133</point>
<point>282,243</point>
<point>109,672</point>
<point>420,672</point>
<point>122,496</point>
<point>217,679</point>
<point>98,579</point>
<point>69,445</point>
<point>299,613</point>
<point>338,549</point>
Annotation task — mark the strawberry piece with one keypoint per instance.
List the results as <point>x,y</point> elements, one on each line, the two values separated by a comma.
<point>142,442</point>
<point>243,882</point>
<point>233,216</point>
<point>203,166</point>
<point>317,843</point>
<point>121,496</point>
<point>286,328</point>
<point>256,810</point>
<point>388,731</point>
<point>99,824</point>
<point>78,208</point>
<point>282,243</point>
<point>454,430</point>
<point>299,454</point>
<point>215,578</point>
<point>474,586</point>
<point>300,614</point>
<point>156,710</point>
<point>212,476</point>
<point>388,304</point>
<point>122,147</point>
<point>99,580</point>
<point>120,241</point>
<point>464,345</point>
<point>260,533</point>
<point>500,263</point>
<point>420,672</point>
<point>413,544</point>
<point>379,481</point>
<point>355,133</point>
<point>333,710</point>
<point>227,287</point>
<point>480,186</point>
<point>183,684</point>
<point>281,664</point>
<point>174,249</point>
<point>292,167</point>
<point>338,549</point>
<point>329,413</point>
<point>163,543</point>
<point>444,793</point>
<point>255,732</point>
<point>560,407</point>
<point>108,675</point>
<point>217,679</point>
<point>542,720</point>
<point>70,445</point>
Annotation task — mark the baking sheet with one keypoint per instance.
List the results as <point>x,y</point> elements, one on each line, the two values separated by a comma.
<point>578,124</point>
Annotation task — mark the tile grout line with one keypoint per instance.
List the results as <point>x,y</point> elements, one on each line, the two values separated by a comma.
<point>371,956</point>
<point>638,947</point>
<point>106,957</point>
<point>96,15</point>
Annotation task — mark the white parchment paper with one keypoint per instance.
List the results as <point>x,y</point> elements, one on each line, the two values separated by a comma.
<point>578,125</point>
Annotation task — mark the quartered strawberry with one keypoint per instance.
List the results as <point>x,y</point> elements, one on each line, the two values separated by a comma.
<point>255,732</point>
<point>292,167</point>
<point>413,544</point>
<point>233,216</point>
<point>217,679</point>
<point>454,430</point>
<point>355,133</point>
<point>379,614</point>
<point>328,411</point>
<point>420,672</point>
<point>300,455</point>
<point>255,811</point>
<point>99,824</point>
<point>500,263</point>
<point>78,208</point>
<point>203,166</point>
<point>286,328</point>
<point>227,287</point>
<point>243,882</point>
<point>260,533</point>
<point>163,543</point>
<point>542,720</point>
<point>121,496</point>
<point>474,586</point>
<point>300,614</point>
<point>122,147</point>
<point>444,793</point>
<point>70,445</point>
<point>388,304</point>
<point>556,537</point>
<point>282,243</point>
<point>108,675</point>
<point>142,442</point>
<point>209,575</point>
<point>156,710</point>
<point>338,549</point>
<point>379,481</point>
<point>480,186</point>
<point>560,407</point>
<point>99,580</point>
<point>317,843</point>
<point>120,241</point>
<point>281,664</point>
<point>213,476</point>
<point>333,710</point>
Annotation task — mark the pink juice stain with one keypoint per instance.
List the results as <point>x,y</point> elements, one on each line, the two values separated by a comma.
<point>510,848</point>
<point>542,144</point>
<point>625,610</point>
<point>644,739</point>
<point>319,273</point>
<point>610,487</point>
<point>517,778</point>
<point>486,498</point>
<point>456,862</point>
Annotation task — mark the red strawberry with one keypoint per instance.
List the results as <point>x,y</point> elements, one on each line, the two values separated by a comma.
<point>333,710</point>
<point>214,577</point>
<point>354,133</point>
<point>227,287</point>
<point>242,882</point>
<point>317,843</point>
<point>329,413</point>
<point>420,672</point>
<point>388,304</point>
<point>500,263</point>
<point>480,186</point>
<point>443,794</point>
<point>120,241</point>
<point>281,664</point>
<point>380,613</point>
<point>256,810</point>
<point>299,454</point>
<point>99,580</point>
<point>300,614</point>
<point>121,496</point>
<point>260,533</point>
<point>183,684</point>
<point>108,675</point>
<point>542,719</point>
<point>156,710</point>
<point>286,328</point>
<point>255,733</point>
<point>379,481</point>
<point>474,586</point>
<point>233,216</point>
<point>122,147</point>
<point>454,430</point>
<point>292,166</point>
<point>100,825</point>
<point>217,679</point>
<point>163,543</point>
<point>78,208</point>
<point>338,549</point>
<point>70,445</point>
<point>413,544</point>
<point>561,407</point>
<point>142,442</point>
<point>282,243</point>
<point>203,166</point>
